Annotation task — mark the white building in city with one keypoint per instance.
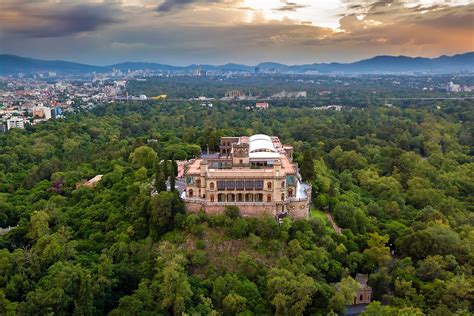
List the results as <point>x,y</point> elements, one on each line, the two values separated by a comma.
<point>15,122</point>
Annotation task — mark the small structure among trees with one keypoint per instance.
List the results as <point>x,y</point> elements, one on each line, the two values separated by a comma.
<point>364,293</point>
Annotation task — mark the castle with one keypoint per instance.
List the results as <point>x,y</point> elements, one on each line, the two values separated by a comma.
<point>255,173</point>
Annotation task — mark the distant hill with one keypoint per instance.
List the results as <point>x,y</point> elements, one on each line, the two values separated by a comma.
<point>12,64</point>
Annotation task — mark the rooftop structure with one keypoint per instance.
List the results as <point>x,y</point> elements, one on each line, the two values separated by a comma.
<point>255,173</point>
<point>262,105</point>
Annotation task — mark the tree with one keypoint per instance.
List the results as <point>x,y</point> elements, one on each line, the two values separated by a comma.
<point>162,209</point>
<point>39,225</point>
<point>232,211</point>
<point>160,180</point>
<point>143,156</point>
<point>307,166</point>
<point>346,291</point>
<point>174,288</point>
<point>172,175</point>
<point>289,293</point>
<point>233,304</point>
<point>378,251</point>
<point>377,309</point>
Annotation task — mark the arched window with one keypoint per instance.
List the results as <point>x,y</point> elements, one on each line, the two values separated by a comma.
<point>361,297</point>
<point>198,183</point>
<point>221,197</point>
<point>269,185</point>
<point>248,197</point>
<point>290,193</point>
<point>283,196</point>
<point>230,197</point>
<point>259,197</point>
<point>211,185</point>
<point>191,192</point>
<point>283,184</point>
<point>212,197</point>
<point>269,197</point>
<point>240,197</point>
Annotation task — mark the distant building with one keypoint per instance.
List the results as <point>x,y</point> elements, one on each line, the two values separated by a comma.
<point>255,173</point>
<point>452,87</point>
<point>291,95</point>
<point>91,183</point>
<point>328,107</point>
<point>120,83</point>
<point>56,112</point>
<point>160,97</point>
<point>42,111</point>
<point>262,105</point>
<point>234,94</point>
<point>3,127</point>
<point>15,122</point>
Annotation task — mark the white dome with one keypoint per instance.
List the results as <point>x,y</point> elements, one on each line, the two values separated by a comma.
<point>261,143</point>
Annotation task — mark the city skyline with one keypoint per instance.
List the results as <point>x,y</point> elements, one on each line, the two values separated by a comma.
<point>182,32</point>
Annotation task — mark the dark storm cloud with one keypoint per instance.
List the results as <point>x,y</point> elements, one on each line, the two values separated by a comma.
<point>169,5</point>
<point>290,7</point>
<point>46,19</point>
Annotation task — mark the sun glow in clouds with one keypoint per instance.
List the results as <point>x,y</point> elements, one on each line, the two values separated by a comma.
<point>320,13</point>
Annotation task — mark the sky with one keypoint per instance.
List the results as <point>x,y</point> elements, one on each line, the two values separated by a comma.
<point>183,32</point>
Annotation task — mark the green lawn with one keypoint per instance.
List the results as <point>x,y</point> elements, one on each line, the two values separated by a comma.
<point>315,213</point>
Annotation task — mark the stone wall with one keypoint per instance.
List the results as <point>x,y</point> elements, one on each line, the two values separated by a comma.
<point>297,209</point>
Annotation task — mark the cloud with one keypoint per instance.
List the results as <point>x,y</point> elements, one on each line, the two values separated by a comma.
<point>46,19</point>
<point>397,28</point>
<point>290,7</point>
<point>169,5</point>
<point>220,31</point>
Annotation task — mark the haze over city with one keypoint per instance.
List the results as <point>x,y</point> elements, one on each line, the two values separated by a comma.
<point>182,32</point>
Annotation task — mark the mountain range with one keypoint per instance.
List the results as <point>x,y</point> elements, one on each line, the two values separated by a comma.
<point>13,64</point>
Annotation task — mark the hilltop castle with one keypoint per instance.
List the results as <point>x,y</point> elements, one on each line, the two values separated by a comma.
<point>255,173</point>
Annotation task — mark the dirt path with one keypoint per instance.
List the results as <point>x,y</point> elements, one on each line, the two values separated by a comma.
<point>337,229</point>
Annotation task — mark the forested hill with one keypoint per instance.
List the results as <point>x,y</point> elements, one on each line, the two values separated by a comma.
<point>399,181</point>
<point>12,65</point>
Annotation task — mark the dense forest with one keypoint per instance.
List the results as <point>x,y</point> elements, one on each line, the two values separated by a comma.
<point>399,181</point>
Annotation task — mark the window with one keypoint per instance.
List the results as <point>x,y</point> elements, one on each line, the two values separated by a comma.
<point>230,185</point>
<point>230,197</point>
<point>269,197</point>
<point>189,180</point>
<point>212,197</point>
<point>240,197</point>
<point>259,197</point>
<point>258,184</point>
<point>361,297</point>
<point>190,192</point>
<point>239,184</point>
<point>283,184</point>
<point>241,161</point>
<point>211,185</point>
<point>221,185</point>
<point>283,196</point>
<point>269,185</point>
<point>198,183</point>
<point>290,180</point>
<point>290,192</point>
<point>249,184</point>
<point>221,197</point>
<point>249,197</point>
